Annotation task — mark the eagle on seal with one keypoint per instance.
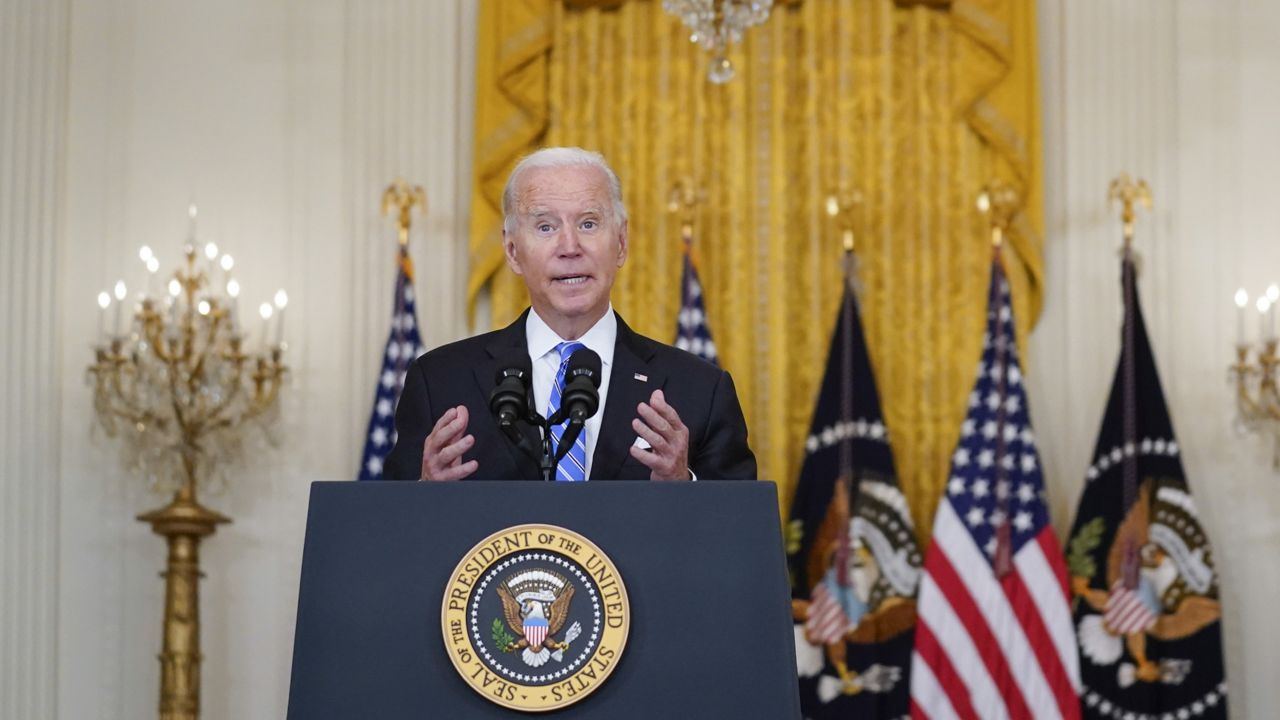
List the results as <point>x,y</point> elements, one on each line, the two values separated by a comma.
<point>535,606</point>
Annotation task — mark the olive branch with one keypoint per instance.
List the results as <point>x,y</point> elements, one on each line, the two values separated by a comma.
<point>501,637</point>
<point>1080,556</point>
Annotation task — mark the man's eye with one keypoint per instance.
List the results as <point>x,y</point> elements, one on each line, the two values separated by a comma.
<point>589,225</point>
<point>544,227</point>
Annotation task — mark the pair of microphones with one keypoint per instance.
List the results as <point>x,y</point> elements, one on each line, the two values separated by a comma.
<point>511,403</point>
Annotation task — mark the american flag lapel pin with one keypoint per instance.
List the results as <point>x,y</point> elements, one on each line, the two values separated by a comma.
<point>642,378</point>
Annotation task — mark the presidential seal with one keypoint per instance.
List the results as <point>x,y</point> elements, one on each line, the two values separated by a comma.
<point>535,617</point>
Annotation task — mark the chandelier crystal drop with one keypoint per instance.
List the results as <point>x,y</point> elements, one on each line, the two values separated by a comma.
<point>717,24</point>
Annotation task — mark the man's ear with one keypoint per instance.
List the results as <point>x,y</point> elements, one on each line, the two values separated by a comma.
<point>622,244</point>
<point>509,250</point>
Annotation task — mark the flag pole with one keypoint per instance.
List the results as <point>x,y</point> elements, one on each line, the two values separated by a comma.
<point>1000,202</point>
<point>1129,194</point>
<point>840,207</point>
<point>403,198</point>
<point>682,202</point>
<point>693,331</point>
<point>404,340</point>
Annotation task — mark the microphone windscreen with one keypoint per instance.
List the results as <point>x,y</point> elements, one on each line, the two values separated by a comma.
<point>586,362</point>
<point>515,363</point>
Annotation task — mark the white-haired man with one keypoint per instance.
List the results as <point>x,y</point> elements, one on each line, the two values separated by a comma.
<point>664,414</point>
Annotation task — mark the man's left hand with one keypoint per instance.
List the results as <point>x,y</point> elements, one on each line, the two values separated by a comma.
<point>668,453</point>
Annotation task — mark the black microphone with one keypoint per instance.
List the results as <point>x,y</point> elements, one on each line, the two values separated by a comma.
<point>581,395</point>
<point>509,401</point>
<point>579,400</point>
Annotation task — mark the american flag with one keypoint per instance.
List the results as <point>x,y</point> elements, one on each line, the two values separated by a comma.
<point>404,344</point>
<point>994,637</point>
<point>692,332</point>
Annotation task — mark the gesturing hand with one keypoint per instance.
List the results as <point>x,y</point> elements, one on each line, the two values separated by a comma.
<point>660,425</point>
<point>443,448</point>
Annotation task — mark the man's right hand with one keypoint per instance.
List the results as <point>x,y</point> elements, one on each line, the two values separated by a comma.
<point>443,448</point>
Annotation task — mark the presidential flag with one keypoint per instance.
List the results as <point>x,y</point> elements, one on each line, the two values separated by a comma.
<point>851,547</point>
<point>404,344</point>
<point>1146,594</point>
<point>692,331</point>
<point>994,638</point>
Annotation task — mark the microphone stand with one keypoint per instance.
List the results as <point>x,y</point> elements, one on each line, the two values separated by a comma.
<point>547,464</point>
<point>571,432</point>
<point>549,457</point>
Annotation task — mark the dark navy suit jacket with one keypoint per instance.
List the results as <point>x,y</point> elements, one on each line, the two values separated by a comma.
<point>462,373</point>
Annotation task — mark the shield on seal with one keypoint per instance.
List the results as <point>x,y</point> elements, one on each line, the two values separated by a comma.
<point>535,630</point>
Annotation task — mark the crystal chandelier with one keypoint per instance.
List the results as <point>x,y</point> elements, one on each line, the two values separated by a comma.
<point>716,24</point>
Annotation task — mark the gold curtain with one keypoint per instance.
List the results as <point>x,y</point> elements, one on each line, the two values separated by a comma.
<point>915,105</point>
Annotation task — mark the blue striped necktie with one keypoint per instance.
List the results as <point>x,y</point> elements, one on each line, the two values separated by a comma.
<point>573,466</point>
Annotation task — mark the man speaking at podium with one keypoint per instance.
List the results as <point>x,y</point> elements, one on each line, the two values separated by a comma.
<point>663,414</point>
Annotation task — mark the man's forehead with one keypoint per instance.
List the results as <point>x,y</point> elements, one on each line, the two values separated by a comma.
<point>562,183</point>
<point>535,211</point>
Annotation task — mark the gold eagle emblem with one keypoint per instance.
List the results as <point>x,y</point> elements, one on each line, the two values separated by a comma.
<point>535,605</point>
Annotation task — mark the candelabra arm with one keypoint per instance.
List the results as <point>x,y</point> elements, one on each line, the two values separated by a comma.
<point>217,417</point>
<point>117,404</point>
<point>1259,411</point>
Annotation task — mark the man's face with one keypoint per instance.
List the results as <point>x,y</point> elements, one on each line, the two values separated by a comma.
<point>566,244</point>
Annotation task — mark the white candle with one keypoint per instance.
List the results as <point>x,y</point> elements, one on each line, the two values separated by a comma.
<point>121,293</point>
<point>233,292</point>
<point>153,266</point>
<point>104,301</point>
<point>1242,299</point>
<point>146,256</point>
<point>226,262</point>
<point>265,311</point>
<point>1264,322</point>
<point>282,300</point>
<point>175,289</point>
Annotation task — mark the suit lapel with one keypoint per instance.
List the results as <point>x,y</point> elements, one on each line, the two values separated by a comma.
<point>510,339</point>
<point>631,381</point>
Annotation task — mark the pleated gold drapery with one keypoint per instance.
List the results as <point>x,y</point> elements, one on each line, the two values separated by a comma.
<point>914,105</point>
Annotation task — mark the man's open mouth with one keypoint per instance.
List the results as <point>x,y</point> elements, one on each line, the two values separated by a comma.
<point>572,279</point>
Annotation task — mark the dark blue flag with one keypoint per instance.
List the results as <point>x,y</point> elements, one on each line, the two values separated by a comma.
<point>851,547</point>
<point>1145,590</point>
<point>692,331</point>
<point>404,344</point>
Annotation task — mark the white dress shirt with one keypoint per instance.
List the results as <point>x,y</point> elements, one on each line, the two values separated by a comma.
<point>542,342</point>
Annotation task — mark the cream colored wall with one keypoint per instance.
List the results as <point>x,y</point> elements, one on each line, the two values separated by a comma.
<point>1183,95</point>
<point>33,116</point>
<point>284,119</point>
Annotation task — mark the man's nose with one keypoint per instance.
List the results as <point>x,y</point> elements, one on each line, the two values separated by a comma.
<point>570,244</point>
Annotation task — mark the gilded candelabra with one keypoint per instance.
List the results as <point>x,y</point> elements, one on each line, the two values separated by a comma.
<point>176,386</point>
<point>1257,398</point>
